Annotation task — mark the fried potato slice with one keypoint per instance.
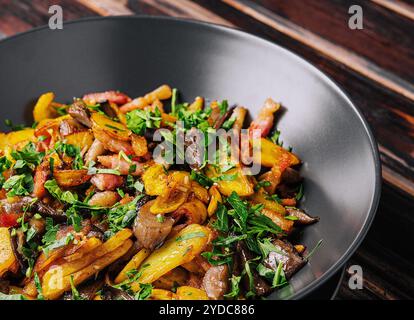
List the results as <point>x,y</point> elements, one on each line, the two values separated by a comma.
<point>178,250</point>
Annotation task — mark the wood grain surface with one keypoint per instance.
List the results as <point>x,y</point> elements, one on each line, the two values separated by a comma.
<point>374,65</point>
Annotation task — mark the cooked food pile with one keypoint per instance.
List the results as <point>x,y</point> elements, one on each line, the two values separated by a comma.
<point>87,212</point>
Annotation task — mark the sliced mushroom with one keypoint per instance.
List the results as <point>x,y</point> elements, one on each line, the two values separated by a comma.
<point>79,111</point>
<point>149,229</point>
<point>303,217</point>
<point>287,255</point>
<point>55,213</point>
<point>32,205</point>
<point>69,126</point>
<point>215,281</point>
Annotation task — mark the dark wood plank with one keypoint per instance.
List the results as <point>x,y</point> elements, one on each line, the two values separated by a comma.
<point>386,254</point>
<point>107,7</point>
<point>19,16</point>
<point>376,41</point>
<point>181,9</point>
<point>330,49</point>
<point>403,8</point>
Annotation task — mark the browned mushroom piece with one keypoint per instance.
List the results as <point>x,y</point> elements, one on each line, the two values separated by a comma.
<point>287,255</point>
<point>70,126</point>
<point>302,217</point>
<point>215,281</point>
<point>80,112</point>
<point>149,229</point>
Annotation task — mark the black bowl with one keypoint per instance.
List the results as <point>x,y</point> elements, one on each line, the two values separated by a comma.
<point>136,54</point>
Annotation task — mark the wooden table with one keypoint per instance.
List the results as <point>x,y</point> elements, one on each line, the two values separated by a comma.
<point>374,65</point>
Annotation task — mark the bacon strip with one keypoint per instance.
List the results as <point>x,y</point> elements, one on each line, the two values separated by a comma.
<point>111,96</point>
<point>265,119</point>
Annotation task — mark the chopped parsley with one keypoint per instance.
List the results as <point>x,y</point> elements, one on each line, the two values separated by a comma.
<point>299,194</point>
<point>75,293</point>
<point>235,287</point>
<point>38,287</point>
<point>240,221</point>
<point>70,151</point>
<point>122,216</point>
<point>201,178</point>
<point>64,241</point>
<point>140,120</point>
<point>275,138</point>
<point>144,292</point>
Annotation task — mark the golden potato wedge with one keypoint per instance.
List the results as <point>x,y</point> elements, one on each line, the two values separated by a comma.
<point>111,143</point>
<point>64,268</point>
<point>3,141</point>
<point>7,258</point>
<point>262,197</point>
<point>43,109</point>
<point>161,294</point>
<point>134,263</point>
<point>89,245</point>
<point>54,287</point>
<point>168,281</point>
<point>272,154</point>
<point>161,93</point>
<point>215,198</point>
<point>175,195</point>
<point>114,129</point>
<point>71,178</point>
<point>191,293</point>
<point>181,249</point>
<point>200,192</point>
<point>279,220</point>
<point>196,105</point>
<point>81,139</point>
<point>67,253</point>
<point>139,144</point>
<point>193,211</point>
<point>15,137</point>
<point>239,182</point>
<point>155,180</point>
<point>44,126</point>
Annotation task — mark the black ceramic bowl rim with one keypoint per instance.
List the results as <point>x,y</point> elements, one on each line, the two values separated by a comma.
<point>305,64</point>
